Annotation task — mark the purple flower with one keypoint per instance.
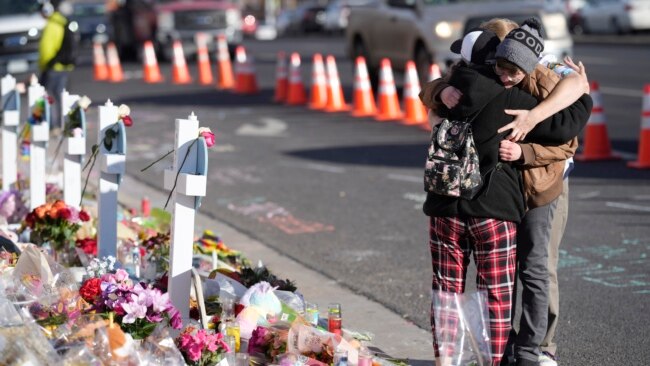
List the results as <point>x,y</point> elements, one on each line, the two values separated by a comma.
<point>175,318</point>
<point>135,308</point>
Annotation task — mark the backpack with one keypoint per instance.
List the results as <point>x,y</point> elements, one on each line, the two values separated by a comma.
<point>67,54</point>
<point>452,167</point>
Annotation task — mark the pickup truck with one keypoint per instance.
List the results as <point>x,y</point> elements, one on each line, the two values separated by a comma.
<point>423,30</point>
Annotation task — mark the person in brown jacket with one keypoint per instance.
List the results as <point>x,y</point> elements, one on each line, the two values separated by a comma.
<point>545,188</point>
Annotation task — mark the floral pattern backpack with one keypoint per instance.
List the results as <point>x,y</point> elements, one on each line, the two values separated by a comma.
<point>452,167</point>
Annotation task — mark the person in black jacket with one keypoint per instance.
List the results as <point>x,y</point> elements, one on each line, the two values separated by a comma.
<point>486,225</point>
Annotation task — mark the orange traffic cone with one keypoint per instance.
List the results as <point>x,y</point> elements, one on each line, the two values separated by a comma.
<point>225,78</point>
<point>416,113</point>
<point>335,98</point>
<point>151,71</point>
<point>643,160</point>
<point>434,72</point>
<point>296,95</point>
<point>99,62</point>
<point>363,101</point>
<point>115,74</point>
<point>180,73</point>
<point>596,141</point>
<point>203,59</point>
<point>245,80</point>
<point>389,108</point>
<point>318,84</point>
<point>281,81</point>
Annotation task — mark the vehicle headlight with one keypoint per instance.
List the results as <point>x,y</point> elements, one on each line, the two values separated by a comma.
<point>32,32</point>
<point>446,29</point>
<point>166,21</point>
<point>233,17</point>
<point>101,28</point>
<point>555,25</point>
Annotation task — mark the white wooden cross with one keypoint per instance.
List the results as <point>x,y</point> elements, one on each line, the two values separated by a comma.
<point>10,105</point>
<point>189,186</point>
<point>40,135</point>
<point>112,166</point>
<point>75,150</point>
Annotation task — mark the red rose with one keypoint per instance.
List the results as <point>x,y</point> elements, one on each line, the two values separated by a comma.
<point>88,246</point>
<point>90,290</point>
<point>83,216</point>
<point>30,219</point>
<point>65,213</point>
<point>238,308</point>
<point>128,122</point>
<point>50,99</point>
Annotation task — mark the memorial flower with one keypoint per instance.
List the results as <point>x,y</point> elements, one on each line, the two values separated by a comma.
<point>55,223</point>
<point>201,347</point>
<point>138,308</point>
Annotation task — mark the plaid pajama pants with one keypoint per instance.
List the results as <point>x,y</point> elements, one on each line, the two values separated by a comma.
<point>493,245</point>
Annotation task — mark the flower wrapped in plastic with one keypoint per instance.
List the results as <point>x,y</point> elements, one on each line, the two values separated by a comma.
<point>201,347</point>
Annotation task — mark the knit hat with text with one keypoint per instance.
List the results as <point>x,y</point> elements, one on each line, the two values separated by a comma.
<point>523,46</point>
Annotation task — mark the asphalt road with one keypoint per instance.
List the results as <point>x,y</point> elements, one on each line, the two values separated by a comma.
<point>343,195</point>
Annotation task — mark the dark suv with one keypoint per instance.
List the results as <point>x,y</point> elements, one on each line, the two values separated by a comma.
<point>21,25</point>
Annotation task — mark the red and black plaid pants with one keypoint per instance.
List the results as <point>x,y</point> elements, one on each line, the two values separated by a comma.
<point>492,243</point>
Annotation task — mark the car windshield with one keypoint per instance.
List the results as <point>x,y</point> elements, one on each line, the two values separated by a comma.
<point>12,7</point>
<point>446,2</point>
<point>89,10</point>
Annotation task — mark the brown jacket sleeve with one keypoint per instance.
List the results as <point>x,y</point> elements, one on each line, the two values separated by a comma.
<point>430,93</point>
<point>535,155</point>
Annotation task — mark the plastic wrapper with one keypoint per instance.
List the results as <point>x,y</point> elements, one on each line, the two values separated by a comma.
<point>292,300</point>
<point>462,328</point>
<point>80,355</point>
<point>307,340</point>
<point>293,359</point>
<point>159,349</point>
<point>33,347</point>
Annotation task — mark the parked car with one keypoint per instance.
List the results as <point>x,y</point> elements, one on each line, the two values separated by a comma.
<point>137,21</point>
<point>306,18</point>
<point>21,26</point>
<point>423,30</point>
<point>93,21</point>
<point>614,16</point>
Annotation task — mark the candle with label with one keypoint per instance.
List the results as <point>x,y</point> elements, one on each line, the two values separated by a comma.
<point>334,318</point>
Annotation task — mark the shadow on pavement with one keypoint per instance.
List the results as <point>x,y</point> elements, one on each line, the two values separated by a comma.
<point>614,170</point>
<point>405,156</point>
<point>212,98</point>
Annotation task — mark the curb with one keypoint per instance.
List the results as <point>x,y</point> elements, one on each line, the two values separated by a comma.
<point>393,335</point>
<point>612,40</point>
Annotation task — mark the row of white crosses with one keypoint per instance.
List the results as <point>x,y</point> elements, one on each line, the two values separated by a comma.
<point>188,176</point>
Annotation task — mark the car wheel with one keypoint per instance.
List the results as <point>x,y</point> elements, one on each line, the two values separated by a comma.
<point>423,61</point>
<point>359,50</point>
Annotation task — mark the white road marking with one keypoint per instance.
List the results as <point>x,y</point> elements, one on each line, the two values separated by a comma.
<point>622,92</point>
<point>405,178</point>
<point>589,195</point>
<point>628,206</point>
<point>270,127</point>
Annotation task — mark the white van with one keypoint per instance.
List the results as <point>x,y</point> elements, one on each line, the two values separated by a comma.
<point>423,30</point>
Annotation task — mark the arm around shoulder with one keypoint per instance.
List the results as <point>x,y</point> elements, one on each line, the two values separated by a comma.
<point>563,125</point>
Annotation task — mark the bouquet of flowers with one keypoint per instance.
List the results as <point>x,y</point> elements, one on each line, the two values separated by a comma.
<point>38,111</point>
<point>157,248</point>
<point>201,347</point>
<point>269,342</point>
<point>138,308</point>
<point>72,127</point>
<point>55,223</point>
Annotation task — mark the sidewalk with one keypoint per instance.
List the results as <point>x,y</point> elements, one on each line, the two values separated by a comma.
<point>393,335</point>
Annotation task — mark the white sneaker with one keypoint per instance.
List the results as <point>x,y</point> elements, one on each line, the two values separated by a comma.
<point>546,359</point>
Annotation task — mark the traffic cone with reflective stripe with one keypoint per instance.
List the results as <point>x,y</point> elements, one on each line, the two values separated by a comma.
<point>389,108</point>
<point>99,62</point>
<point>203,59</point>
<point>335,97</point>
<point>245,80</point>
<point>115,73</point>
<point>225,77</point>
<point>363,101</point>
<point>296,94</point>
<point>318,97</point>
<point>434,72</point>
<point>416,113</point>
<point>180,73</point>
<point>596,145</point>
<point>151,71</point>
<point>281,81</point>
<point>643,160</point>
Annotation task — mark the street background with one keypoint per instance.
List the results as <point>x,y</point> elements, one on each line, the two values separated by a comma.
<point>343,195</point>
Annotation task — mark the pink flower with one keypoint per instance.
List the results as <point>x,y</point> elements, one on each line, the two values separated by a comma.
<point>194,351</point>
<point>207,134</point>
<point>121,275</point>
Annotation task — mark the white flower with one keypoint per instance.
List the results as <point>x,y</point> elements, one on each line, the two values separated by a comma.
<point>123,110</point>
<point>84,102</point>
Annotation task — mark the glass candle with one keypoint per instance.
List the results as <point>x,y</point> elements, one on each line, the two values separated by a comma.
<point>334,318</point>
<point>311,313</point>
